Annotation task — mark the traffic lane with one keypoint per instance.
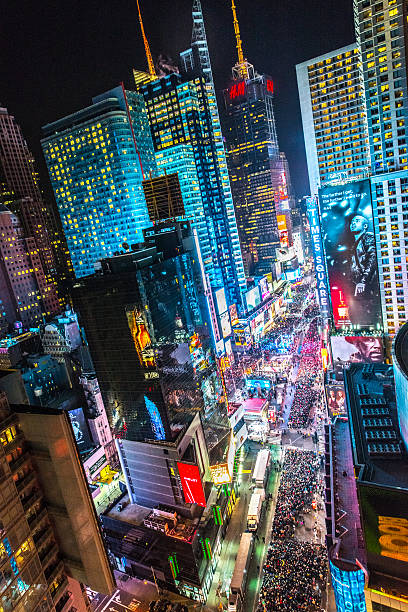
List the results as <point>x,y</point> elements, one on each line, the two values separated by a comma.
<point>119,601</point>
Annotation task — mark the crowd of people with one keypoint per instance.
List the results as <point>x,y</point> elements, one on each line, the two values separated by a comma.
<point>306,394</point>
<point>294,572</point>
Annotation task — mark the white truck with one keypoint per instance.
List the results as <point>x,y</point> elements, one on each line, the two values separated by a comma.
<point>254,510</point>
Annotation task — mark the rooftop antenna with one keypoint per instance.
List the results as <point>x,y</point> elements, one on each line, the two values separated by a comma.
<point>152,71</point>
<point>242,69</point>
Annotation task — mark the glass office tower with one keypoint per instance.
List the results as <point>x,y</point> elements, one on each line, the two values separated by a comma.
<point>147,323</point>
<point>381,31</point>
<point>255,169</point>
<point>186,131</point>
<point>334,116</point>
<point>97,159</point>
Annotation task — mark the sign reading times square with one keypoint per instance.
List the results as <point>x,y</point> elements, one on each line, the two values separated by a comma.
<point>318,256</point>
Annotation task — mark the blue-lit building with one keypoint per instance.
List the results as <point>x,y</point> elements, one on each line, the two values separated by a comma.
<point>97,159</point>
<point>186,132</point>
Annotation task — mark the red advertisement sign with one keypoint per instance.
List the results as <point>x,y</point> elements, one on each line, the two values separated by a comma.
<point>191,483</point>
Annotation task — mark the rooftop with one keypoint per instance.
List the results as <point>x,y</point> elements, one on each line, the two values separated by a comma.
<point>167,522</point>
<point>346,524</point>
<point>376,439</point>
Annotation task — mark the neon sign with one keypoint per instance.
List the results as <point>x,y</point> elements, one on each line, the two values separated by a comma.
<point>269,85</point>
<point>237,90</point>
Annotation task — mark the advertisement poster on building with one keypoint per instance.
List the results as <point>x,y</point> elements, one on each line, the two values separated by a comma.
<point>221,301</point>
<point>233,314</point>
<point>384,516</point>
<point>336,399</point>
<point>355,349</point>
<point>253,298</point>
<point>191,484</point>
<point>264,287</point>
<point>225,325</point>
<point>80,429</point>
<point>349,243</point>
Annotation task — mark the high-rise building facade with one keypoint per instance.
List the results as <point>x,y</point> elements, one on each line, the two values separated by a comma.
<point>333,108</point>
<point>19,190</point>
<point>253,161</point>
<point>97,159</point>
<point>186,131</point>
<point>381,31</point>
<point>147,322</point>
<point>258,171</point>
<point>49,544</point>
<point>26,294</point>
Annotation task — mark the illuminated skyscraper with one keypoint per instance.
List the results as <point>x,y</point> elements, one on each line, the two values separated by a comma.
<point>20,192</point>
<point>334,116</point>
<point>147,322</point>
<point>185,125</point>
<point>258,171</point>
<point>50,540</point>
<point>26,294</point>
<point>97,159</point>
<point>382,33</point>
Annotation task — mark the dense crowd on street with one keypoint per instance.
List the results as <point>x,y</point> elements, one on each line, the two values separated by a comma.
<point>294,572</point>
<point>306,394</point>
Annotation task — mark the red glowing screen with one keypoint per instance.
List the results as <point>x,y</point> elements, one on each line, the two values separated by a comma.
<point>191,483</point>
<point>269,85</point>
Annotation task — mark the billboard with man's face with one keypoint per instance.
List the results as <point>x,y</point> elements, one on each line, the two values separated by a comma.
<point>355,349</point>
<point>349,244</point>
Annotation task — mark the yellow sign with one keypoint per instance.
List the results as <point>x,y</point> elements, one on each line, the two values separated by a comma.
<point>220,473</point>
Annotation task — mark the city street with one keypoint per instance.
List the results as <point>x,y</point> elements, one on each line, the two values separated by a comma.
<point>299,370</point>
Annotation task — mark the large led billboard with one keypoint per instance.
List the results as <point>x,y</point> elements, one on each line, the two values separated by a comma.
<point>264,287</point>
<point>318,256</point>
<point>253,298</point>
<point>336,399</point>
<point>355,349</point>
<point>348,587</point>
<point>225,325</point>
<point>191,484</point>
<point>349,243</point>
<point>221,301</point>
<point>80,429</point>
<point>384,514</point>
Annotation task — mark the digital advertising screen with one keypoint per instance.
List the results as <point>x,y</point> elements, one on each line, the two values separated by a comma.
<point>348,587</point>
<point>191,484</point>
<point>349,243</point>
<point>225,325</point>
<point>318,255</point>
<point>220,347</point>
<point>384,514</point>
<point>80,429</point>
<point>264,287</point>
<point>221,301</point>
<point>233,314</point>
<point>355,349</point>
<point>336,399</point>
<point>253,298</point>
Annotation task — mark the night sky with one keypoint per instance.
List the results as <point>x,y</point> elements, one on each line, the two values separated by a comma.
<point>56,55</point>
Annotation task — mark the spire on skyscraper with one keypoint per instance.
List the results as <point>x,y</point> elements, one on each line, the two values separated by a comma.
<point>242,69</point>
<point>199,39</point>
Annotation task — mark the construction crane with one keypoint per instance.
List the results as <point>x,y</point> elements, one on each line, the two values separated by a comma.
<point>152,71</point>
<point>242,64</point>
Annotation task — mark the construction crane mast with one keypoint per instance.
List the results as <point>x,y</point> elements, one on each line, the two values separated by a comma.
<point>152,71</point>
